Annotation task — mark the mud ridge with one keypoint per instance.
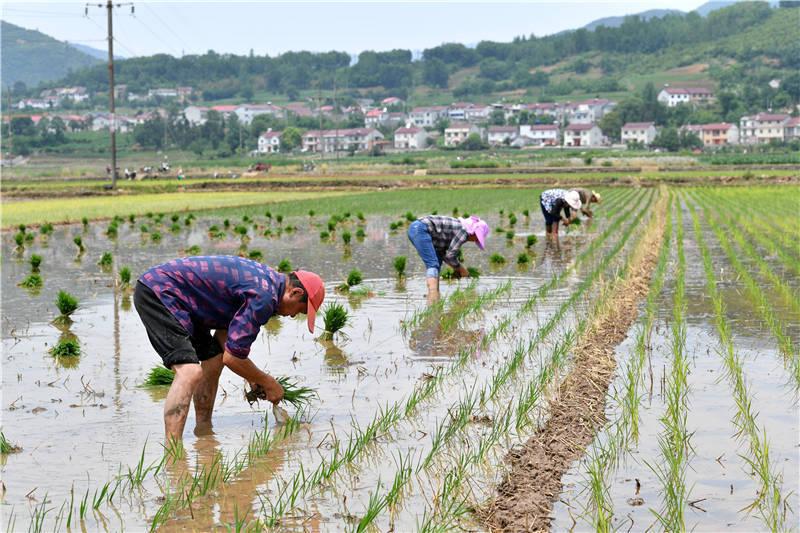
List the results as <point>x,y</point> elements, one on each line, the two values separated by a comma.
<point>524,499</point>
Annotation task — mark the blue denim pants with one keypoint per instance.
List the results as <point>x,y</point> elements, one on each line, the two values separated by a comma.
<point>420,237</point>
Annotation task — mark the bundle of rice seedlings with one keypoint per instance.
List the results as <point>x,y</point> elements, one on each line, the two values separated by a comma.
<point>32,281</point>
<point>125,276</point>
<point>255,255</point>
<point>193,250</point>
<point>19,239</point>
<point>510,235</point>
<point>35,261</point>
<point>324,235</point>
<point>523,259</point>
<point>295,394</point>
<point>69,347</point>
<point>66,303</point>
<point>473,272</point>
<point>447,274</point>
<point>78,240</point>
<point>530,240</point>
<point>346,237</point>
<point>497,259</point>
<point>285,266</point>
<point>279,218</point>
<point>106,260</point>
<point>335,317</point>
<point>360,233</point>
<point>355,277</point>
<point>400,265</point>
<point>158,377</point>
<point>46,228</point>
<point>311,212</point>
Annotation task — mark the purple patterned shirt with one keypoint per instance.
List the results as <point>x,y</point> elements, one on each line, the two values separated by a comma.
<point>219,292</point>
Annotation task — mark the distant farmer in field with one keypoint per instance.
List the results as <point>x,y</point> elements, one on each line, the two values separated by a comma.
<point>439,238</point>
<point>181,301</point>
<point>559,206</point>
<point>588,197</point>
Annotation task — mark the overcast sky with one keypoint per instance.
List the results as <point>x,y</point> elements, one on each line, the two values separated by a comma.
<point>273,27</point>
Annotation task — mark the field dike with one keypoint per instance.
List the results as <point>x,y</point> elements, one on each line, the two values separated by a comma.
<point>524,498</point>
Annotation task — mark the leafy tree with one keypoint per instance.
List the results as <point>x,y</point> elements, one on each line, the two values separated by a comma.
<point>497,118</point>
<point>22,126</point>
<point>434,73</point>
<point>473,142</point>
<point>667,139</point>
<point>291,138</point>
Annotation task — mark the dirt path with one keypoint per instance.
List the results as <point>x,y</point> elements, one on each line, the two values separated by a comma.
<point>524,499</point>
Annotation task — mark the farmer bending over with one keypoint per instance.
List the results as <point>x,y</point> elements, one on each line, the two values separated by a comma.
<point>438,239</point>
<point>555,201</point>
<point>181,301</point>
<point>588,197</point>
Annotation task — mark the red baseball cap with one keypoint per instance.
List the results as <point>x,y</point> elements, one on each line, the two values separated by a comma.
<point>315,289</point>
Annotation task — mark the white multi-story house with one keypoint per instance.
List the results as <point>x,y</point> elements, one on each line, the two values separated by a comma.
<point>427,116</point>
<point>163,92</point>
<point>717,134</point>
<point>588,111</point>
<point>674,96</point>
<point>469,112</point>
<point>502,134</point>
<point>639,132</point>
<point>196,115</point>
<point>341,140</point>
<point>583,135</point>
<point>763,128</point>
<point>269,142</point>
<point>34,103</point>
<point>458,133</point>
<point>247,112</point>
<point>410,138</point>
<point>382,117</point>
<point>540,134</point>
<point>102,121</point>
<point>76,94</point>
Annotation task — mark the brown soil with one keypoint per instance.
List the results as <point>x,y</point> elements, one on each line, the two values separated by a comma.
<point>525,497</point>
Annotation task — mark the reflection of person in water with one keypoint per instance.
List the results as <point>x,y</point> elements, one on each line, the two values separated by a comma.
<point>438,239</point>
<point>181,301</point>
<point>559,206</point>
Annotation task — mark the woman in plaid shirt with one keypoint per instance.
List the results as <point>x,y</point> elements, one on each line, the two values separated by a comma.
<point>438,239</point>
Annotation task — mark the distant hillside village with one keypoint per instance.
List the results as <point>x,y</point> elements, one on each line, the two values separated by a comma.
<point>392,125</point>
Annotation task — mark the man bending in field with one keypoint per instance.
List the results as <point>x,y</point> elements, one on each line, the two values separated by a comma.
<point>181,301</point>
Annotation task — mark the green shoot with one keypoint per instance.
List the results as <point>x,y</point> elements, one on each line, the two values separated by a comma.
<point>159,376</point>
<point>285,266</point>
<point>66,348</point>
<point>400,265</point>
<point>66,303</point>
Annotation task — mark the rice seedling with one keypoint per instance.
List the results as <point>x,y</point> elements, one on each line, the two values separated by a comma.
<point>324,235</point>
<point>394,226</point>
<point>512,220</point>
<point>523,259</point>
<point>295,394</point>
<point>125,277</point>
<point>285,266</point>
<point>268,215</point>
<point>497,259</point>
<point>35,262</point>
<point>193,250</point>
<point>144,228</point>
<point>473,272</point>
<point>399,264</point>
<point>360,217</point>
<point>255,255</point>
<point>19,240</point>
<point>335,317</point>
<point>526,213</point>
<point>346,237</point>
<point>85,222</point>
<point>510,236</point>
<point>32,281</point>
<point>112,231</point>
<point>67,347</point>
<point>158,377</point>
<point>311,213</point>
<point>78,240</point>
<point>240,230</point>
<point>354,277</point>
<point>46,229</point>
<point>106,260</point>
<point>346,215</point>
<point>175,228</point>
<point>530,240</point>
<point>360,233</point>
<point>447,274</point>
<point>279,219</point>
<point>66,304</point>
<point>6,447</point>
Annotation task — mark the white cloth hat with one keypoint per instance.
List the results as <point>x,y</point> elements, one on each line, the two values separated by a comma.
<point>573,199</point>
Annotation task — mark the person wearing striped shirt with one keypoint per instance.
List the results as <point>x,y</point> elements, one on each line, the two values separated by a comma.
<point>438,239</point>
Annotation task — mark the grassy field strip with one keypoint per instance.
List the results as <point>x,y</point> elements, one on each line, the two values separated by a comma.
<point>770,502</point>
<point>460,413</point>
<point>274,509</point>
<point>765,234</point>
<point>57,210</point>
<point>765,310</point>
<point>203,480</point>
<point>615,440</point>
<point>790,296</point>
<point>451,501</point>
<point>674,440</point>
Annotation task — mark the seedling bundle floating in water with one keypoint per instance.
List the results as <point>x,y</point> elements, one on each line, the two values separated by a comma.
<point>159,376</point>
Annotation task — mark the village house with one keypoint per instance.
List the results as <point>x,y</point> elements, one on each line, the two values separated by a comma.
<point>674,96</point>
<point>269,142</point>
<point>639,132</point>
<point>763,128</point>
<point>469,112</point>
<point>583,135</point>
<point>588,111</point>
<point>34,103</point>
<point>540,134</point>
<point>427,116</point>
<point>299,108</point>
<point>458,132</point>
<point>103,121</point>
<point>498,135</point>
<point>341,140</point>
<point>163,92</point>
<point>793,129</point>
<point>410,138</point>
<point>75,94</point>
<point>717,134</point>
<point>247,112</point>
<point>392,101</point>
<point>382,117</point>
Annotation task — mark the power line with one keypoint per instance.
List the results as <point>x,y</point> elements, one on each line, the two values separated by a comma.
<point>154,34</point>
<point>167,26</point>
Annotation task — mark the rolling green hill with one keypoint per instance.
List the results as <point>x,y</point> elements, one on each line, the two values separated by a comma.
<point>32,57</point>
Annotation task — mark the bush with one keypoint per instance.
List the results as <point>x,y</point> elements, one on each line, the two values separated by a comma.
<point>66,303</point>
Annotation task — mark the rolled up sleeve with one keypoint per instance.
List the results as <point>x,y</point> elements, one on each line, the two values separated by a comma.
<point>451,256</point>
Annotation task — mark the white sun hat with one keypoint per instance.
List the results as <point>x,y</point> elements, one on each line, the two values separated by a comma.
<point>573,199</point>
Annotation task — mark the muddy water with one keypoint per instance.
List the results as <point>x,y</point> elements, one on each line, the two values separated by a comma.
<point>719,479</point>
<point>80,424</point>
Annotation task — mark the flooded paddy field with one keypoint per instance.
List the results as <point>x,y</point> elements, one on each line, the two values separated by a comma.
<point>417,405</point>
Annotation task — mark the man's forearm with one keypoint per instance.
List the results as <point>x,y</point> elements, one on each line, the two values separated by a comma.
<point>243,367</point>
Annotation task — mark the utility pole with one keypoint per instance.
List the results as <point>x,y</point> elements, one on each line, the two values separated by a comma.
<point>10,131</point>
<point>112,111</point>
